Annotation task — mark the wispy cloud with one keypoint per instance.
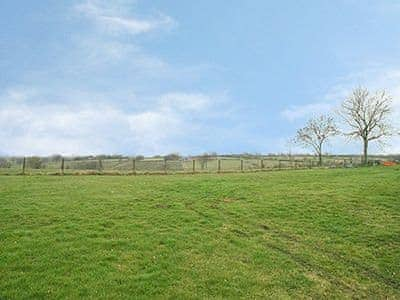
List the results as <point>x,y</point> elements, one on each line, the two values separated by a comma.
<point>92,106</point>
<point>376,78</point>
<point>112,17</point>
<point>185,101</point>
<point>109,42</point>
<point>304,111</point>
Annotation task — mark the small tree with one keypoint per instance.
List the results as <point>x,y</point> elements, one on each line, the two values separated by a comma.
<point>203,159</point>
<point>172,156</point>
<point>34,162</point>
<point>55,158</point>
<point>316,133</point>
<point>367,115</point>
<point>5,163</point>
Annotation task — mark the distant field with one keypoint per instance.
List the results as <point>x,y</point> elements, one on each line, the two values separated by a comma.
<point>304,233</point>
<point>36,165</point>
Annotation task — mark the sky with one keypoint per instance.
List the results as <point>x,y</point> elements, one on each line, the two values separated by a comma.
<point>156,77</point>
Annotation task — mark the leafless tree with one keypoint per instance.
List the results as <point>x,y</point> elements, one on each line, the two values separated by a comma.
<point>317,131</point>
<point>367,116</point>
<point>205,157</point>
<point>289,144</point>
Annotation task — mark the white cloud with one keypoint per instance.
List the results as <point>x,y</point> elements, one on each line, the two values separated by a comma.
<point>113,45</point>
<point>112,17</point>
<point>94,128</point>
<point>109,43</point>
<point>18,94</point>
<point>87,103</point>
<point>302,111</point>
<point>185,101</point>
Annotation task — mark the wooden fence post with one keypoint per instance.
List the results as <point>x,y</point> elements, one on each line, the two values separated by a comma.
<point>241,165</point>
<point>134,166</point>
<point>219,165</point>
<point>279,164</point>
<point>62,166</point>
<point>165,166</point>
<point>100,165</point>
<point>194,166</point>
<point>262,164</point>
<point>23,166</point>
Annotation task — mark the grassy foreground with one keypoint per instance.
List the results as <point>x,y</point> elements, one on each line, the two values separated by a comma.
<point>310,233</point>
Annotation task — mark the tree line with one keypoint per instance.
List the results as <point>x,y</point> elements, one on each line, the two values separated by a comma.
<point>365,116</point>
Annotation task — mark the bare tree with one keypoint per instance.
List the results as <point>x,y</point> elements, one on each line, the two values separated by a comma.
<point>367,115</point>
<point>289,144</point>
<point>172,156</point>
<point>204,158</point>
<point>316,133</point>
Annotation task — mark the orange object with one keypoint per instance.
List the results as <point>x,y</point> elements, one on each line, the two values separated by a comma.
<point>389,163</point>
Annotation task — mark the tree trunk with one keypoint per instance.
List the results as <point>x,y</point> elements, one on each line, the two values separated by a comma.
<point>320,154</point>
<point>365,158</point>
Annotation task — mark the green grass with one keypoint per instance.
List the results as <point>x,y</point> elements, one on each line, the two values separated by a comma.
<point>305,233</point>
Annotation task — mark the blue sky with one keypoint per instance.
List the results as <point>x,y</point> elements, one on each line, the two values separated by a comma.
<point>154,77</point>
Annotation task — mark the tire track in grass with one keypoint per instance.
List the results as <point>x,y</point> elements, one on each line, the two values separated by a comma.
<point>250,226</point>
<point>311,267</point>
<point>366,271</point>
<point>243,232</point>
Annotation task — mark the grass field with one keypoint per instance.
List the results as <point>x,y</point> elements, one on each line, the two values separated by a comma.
<point>305,233</point>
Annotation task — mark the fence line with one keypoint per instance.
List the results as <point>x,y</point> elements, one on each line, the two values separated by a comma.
<point>131,166</point>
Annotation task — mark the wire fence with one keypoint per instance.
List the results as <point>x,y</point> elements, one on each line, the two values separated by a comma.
<point>132,166</point>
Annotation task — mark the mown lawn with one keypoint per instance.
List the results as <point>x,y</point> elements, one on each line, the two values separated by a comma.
<point>310,233</point>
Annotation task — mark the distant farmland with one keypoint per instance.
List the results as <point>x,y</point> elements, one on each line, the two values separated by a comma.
<point>130,165</point>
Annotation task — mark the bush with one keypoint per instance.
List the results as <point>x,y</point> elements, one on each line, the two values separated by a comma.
<point>55,158</point>
<point>172,156</point>
<point>34,162</point>
<point>4,163</point>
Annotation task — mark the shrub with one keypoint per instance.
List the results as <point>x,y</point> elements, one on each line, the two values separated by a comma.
<point>34,162</point>
<point>172,156</point>
<point>4,163</point>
